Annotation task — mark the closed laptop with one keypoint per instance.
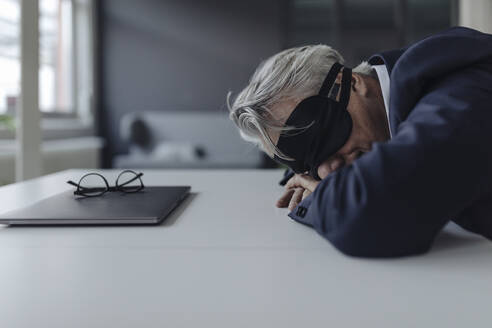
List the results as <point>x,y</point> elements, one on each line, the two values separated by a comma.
<point>151,205</point>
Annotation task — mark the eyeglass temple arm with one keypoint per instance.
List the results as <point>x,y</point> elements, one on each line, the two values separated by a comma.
<point>132,179</point>
<point>70,182</point>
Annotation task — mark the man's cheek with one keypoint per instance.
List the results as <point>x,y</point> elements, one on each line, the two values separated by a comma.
<point>335,164</point>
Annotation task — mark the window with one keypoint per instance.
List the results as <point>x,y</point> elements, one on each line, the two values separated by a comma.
<point>9,54</point>
<point>55,56</point>
<point>65,57</point>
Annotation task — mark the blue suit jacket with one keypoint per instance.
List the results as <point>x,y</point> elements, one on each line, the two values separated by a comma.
<point>438,165</point>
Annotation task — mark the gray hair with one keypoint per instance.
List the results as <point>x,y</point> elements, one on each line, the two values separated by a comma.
<point>295,73</point>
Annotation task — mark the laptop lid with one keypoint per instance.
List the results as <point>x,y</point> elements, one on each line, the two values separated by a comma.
<point>149,206</point>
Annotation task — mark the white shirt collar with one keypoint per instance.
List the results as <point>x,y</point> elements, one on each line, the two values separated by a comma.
<point>384,82</point>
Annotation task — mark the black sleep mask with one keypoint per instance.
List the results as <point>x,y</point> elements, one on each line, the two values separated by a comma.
<point>322,125</point>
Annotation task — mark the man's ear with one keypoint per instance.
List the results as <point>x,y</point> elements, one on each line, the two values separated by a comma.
<point>360,85</point>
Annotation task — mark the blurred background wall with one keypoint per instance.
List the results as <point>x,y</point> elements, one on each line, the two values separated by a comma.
<point>179,55</point>
<point>358,29</point>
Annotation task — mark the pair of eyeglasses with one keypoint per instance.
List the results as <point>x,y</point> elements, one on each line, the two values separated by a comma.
<point>94,184</point>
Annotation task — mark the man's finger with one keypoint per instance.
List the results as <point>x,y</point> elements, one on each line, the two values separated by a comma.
<point>305,194</point>
<point>284,200</point>
<point>296,198</point>
<point>302,181</point>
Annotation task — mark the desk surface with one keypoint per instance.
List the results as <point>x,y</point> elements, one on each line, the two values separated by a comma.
<point>227,258</point>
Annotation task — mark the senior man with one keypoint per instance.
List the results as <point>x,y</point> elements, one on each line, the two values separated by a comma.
<point>387,153</point>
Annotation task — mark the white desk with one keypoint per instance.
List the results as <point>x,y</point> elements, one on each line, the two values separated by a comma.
<point>227,258</point>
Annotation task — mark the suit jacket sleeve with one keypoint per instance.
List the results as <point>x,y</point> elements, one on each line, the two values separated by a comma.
<point>394,200</point>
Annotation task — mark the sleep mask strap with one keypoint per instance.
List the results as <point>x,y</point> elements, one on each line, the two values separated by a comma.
<point>330,79</point>
<point>346,83</point>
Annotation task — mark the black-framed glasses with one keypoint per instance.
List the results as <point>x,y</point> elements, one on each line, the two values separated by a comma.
<point>94,184</point>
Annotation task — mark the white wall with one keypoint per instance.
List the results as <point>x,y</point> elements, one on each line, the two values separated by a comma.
<point>476,14</point>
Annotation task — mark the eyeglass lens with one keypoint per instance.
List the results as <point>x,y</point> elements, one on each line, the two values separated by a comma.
<point>92,184</point>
